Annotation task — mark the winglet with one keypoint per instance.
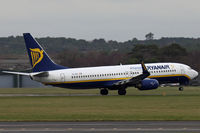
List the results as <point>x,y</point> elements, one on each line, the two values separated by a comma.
<point>144,68</point>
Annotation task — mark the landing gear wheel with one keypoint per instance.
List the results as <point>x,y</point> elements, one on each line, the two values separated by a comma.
<point>104,92</point>
<point>122,92</point>
<point>180,88</point>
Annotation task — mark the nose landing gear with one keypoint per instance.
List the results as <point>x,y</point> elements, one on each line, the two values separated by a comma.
<point>180,88</point>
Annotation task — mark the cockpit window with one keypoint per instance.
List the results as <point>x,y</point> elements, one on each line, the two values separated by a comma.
<point>189,68</point>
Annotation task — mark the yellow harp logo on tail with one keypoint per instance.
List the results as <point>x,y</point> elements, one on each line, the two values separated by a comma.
<point>36,56</point>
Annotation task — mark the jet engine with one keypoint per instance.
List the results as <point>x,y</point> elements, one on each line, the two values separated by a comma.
<point>148,84</point>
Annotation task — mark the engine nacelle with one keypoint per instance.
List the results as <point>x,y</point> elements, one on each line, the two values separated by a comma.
<point>148,84</point>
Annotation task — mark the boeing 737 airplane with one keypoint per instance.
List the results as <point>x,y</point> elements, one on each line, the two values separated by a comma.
<point>142,76</point>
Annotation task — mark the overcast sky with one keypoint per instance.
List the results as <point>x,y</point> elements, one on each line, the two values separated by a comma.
<point>110,19</point>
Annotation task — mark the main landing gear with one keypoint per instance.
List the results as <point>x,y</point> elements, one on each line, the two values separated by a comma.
<point>122,91</point>
<point>104,91</point>
<point>180,88</point>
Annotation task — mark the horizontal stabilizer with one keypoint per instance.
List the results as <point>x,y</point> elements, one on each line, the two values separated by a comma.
<point>41,74</point>
<point>17,73</point>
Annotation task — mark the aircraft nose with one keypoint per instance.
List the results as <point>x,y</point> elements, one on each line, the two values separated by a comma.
<point>195,74</point>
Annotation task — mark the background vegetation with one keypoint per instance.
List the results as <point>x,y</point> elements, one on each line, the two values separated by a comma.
<point>80,53</point>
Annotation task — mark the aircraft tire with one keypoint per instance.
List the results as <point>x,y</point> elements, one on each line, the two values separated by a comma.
<point>180,88</point>
<point>122,92</point>
<point>104,92</point>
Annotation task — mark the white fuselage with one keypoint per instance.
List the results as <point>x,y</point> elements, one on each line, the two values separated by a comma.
<point>72,77</point>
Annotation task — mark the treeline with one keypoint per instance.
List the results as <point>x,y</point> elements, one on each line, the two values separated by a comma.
<point>76,58</point>
<point>148,53</point>
<point>80,53</point>
<point>15,45</point>
<point>169,53</point>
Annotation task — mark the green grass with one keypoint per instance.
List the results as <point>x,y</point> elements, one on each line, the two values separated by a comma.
<point>130,91</point>
<point>165,104</point>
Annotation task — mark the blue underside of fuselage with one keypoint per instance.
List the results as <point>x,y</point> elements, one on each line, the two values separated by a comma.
<point>106,84</point>
<point>87,85</point>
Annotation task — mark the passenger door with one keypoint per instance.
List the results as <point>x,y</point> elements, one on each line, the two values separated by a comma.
<point>62,77</point>
<point>182,70</point>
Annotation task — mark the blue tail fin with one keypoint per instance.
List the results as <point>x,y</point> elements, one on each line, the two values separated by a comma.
<point>38,57</point>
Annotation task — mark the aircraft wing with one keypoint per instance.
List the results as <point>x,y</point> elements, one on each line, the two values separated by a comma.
<point>137,79</point>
